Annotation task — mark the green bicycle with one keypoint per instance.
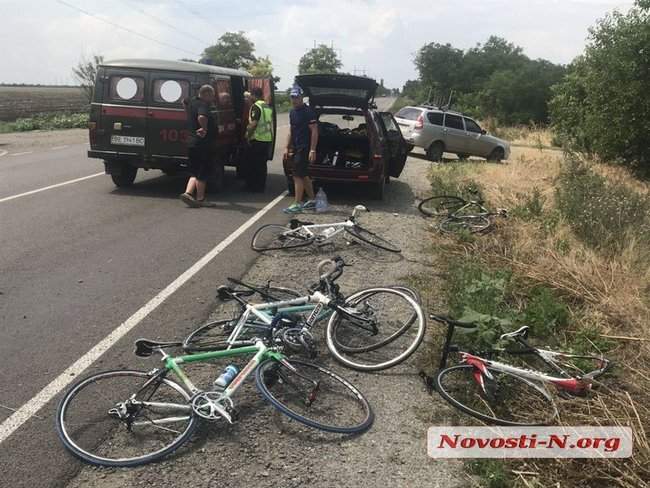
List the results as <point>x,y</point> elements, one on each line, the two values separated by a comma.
<point>128,418</point>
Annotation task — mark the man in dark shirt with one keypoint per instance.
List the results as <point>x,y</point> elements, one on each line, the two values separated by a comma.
<point>301,150</point>
<point>201,145</point>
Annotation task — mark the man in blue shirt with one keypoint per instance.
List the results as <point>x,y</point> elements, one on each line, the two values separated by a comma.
<point>301,150</point>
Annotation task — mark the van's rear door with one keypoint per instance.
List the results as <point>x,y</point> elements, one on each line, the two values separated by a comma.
<point>268,87</point>
<point>123,123</point>
<point>397,147</point>
<point>167,131</point>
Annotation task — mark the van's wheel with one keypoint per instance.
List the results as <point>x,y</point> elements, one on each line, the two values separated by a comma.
<point>387,180</point>
<point>434,153</point>
<point>215,183</point>
<point>256,176</point>
<point>170,171</point>
<point>497,155</point>
<point>125,176</point>
<point>291,187</point>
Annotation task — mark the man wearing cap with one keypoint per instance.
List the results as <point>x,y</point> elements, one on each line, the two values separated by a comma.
<point>301,150</point>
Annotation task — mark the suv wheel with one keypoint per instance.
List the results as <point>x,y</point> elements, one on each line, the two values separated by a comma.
<point>126,175</point>
<point>434,153</point>
<point>497,155</point>
<point>377,190</point>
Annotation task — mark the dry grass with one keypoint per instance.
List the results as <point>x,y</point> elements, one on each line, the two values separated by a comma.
<point>608,294</point>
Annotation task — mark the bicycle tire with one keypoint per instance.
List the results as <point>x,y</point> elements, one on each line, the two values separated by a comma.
<point>398,333</point>
<point>441,205</point>
<point>274,234</point>
<point>273,374</point>
<point>371,238</point>
<point>468,387</point>
<point>474,224</point>
<point>402,356</point>
<point>64,428</point>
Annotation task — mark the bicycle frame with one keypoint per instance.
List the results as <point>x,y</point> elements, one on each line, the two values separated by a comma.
<point>173,364</point>
<point>300,304</point>
<point>310,231</point>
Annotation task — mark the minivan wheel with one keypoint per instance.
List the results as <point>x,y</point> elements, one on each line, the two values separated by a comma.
<point>215,183</point>
<point>256,177</point>
<point>126,175</point>
<point>497,155</point>
<point>434,153</point>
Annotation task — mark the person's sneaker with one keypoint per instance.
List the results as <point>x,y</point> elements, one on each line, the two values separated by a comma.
<point>189,200</point>
<point>207,204</point>
<point>294,208</point>
<point>309,205</point>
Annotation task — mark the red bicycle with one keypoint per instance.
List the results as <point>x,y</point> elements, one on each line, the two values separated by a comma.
<point>504,394</point>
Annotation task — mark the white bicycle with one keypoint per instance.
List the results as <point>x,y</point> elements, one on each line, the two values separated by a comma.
<point>299,234</point>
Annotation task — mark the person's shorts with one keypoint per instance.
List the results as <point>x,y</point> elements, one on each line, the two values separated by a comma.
<point>202,162</point>
<point>301,163</point>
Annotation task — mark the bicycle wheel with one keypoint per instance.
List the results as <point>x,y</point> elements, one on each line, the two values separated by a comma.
<point>472,224</point>
<point>440,206</point>
<point>273,237</point>
<point>375,329</point>
<point>348,339</point>
<point>508,399</point>
<point>371,238</point>
<point>314,396</point>
<point>124,418</point>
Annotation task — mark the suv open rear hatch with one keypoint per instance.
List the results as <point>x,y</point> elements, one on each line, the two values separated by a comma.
<point>334,90</point>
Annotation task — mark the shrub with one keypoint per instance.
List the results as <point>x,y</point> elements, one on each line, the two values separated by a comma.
<point>604,215</point>
<point>47,121</point>
<point>602,106</point>
<point>451,180</point>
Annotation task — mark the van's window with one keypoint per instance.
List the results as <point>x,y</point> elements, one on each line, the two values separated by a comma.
<point>127,88</point>
<point>408,113</point>
<point>224,98</point>
<point>472,126</point>
<point>454,122</point>
<point>170,91</point>
<point>435,118</point>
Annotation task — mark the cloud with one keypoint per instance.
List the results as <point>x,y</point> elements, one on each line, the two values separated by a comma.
<point>47,39</point>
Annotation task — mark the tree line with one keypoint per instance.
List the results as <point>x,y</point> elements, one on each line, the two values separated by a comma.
<point>495,79</point>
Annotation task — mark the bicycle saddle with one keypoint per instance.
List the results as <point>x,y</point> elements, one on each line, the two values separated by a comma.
<point>144,347</point>
<point>519,333</point>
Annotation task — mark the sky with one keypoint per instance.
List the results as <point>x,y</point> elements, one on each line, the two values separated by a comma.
<point>43,39</point>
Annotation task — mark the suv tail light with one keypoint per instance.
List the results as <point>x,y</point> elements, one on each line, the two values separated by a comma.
<point>419,123</point>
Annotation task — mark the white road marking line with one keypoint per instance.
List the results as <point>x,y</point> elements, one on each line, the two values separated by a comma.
<point>38,190</point>
<point>55,148</point>
<point>21,153</point>
<point>3,153</point>
<point>29,409</point>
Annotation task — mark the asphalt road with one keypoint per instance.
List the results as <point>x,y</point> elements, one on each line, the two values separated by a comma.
<point>78,260</point>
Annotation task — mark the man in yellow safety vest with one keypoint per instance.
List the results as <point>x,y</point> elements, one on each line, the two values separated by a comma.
<point>259,135</point>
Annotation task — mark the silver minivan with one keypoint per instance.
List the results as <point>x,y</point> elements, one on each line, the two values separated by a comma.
<point>438,131</point>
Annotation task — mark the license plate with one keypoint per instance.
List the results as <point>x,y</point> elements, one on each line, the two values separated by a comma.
<point>127,141</point>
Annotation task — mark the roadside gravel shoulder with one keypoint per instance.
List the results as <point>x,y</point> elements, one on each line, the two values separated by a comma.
<point>266,450</point>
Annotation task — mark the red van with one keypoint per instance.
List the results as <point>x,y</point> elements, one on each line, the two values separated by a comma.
<point>138,119</point>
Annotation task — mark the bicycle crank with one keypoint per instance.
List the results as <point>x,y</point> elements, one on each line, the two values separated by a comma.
<point>212,405</point>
